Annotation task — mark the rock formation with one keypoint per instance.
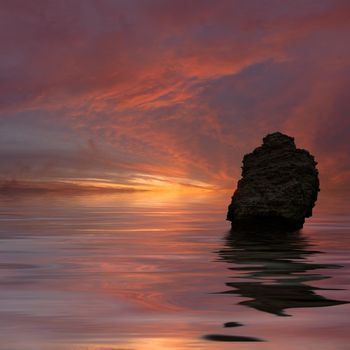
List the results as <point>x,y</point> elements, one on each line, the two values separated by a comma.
<point>278,188</point>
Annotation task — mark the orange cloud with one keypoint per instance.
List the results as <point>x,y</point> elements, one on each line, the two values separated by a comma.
<point>178,91</point>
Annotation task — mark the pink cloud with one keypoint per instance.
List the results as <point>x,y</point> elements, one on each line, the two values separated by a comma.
<point>179,90</point>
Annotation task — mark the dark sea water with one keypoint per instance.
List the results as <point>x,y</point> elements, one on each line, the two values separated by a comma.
<point>150,271</point>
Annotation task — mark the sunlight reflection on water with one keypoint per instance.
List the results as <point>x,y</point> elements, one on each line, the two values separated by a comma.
<point>140,271</point>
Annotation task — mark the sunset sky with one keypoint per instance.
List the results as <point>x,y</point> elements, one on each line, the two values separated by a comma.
<point>167,93</point>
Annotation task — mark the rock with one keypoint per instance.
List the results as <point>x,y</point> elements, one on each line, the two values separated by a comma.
<point>278,188</point>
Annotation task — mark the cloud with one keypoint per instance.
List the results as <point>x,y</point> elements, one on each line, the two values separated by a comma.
<point>177,89</point>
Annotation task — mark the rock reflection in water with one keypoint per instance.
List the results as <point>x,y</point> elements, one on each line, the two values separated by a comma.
<point>276,271</point>
<point>272,271</point>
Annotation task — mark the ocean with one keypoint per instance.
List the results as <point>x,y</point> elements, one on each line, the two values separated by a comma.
<point>161,270</point>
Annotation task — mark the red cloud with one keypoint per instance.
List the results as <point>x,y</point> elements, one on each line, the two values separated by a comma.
<point>176,89</point>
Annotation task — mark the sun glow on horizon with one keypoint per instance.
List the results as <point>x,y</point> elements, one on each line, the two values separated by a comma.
<point>137,182</point>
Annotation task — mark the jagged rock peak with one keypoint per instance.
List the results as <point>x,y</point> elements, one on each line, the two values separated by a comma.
<point>277,140</point>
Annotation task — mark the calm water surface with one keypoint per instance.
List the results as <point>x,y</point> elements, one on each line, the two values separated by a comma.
<point>159,271</point>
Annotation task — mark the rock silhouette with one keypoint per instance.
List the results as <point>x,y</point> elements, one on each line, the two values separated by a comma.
<point>278,188</point>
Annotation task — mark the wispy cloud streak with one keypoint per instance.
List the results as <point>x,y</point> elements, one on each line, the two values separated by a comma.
<point>173,91</point>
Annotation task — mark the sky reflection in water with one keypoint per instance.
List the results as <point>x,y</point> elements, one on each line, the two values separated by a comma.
<point>147,271</point>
